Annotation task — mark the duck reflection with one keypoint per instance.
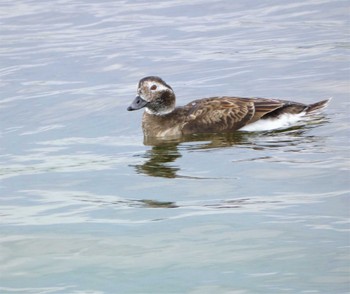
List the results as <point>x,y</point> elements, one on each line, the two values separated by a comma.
<point>160,159</point>
<point>164,153</point>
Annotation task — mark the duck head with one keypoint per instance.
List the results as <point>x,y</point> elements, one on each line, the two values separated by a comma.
<point>155,95</point>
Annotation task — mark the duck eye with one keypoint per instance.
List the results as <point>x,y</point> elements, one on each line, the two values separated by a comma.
<point>154,87</point>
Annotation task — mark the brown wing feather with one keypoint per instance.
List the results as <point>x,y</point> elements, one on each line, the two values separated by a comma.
<point>227,114</point>
<point>218,115</point>
<point>264,106</point>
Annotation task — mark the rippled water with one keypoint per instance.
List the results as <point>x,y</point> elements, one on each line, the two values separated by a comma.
<point>86,206</point>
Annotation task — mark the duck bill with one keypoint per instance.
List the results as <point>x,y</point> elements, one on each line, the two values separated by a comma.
<point>138,103</point>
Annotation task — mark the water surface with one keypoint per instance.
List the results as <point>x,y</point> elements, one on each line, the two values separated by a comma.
<point>88,206</point>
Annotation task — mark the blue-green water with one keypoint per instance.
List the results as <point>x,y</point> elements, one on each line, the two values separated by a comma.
<point>87,207</point>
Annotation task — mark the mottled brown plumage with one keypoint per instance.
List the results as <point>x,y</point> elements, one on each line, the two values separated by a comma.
<point>208,115</point>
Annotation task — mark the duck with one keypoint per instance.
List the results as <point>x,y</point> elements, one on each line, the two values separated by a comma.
<point>222,114</point>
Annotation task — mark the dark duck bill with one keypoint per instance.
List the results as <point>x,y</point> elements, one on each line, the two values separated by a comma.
<point>138,103</point>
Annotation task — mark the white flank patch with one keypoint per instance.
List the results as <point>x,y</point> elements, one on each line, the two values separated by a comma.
<point>284,121</point>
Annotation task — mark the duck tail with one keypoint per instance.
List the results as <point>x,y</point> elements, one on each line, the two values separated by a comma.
<point>318,106</point>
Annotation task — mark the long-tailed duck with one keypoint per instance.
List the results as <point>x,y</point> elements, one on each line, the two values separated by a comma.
<point>213,115</point>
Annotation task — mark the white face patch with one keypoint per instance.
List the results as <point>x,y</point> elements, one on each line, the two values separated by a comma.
<point>159,87</point>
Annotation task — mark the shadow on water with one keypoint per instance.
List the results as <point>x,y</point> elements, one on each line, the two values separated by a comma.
<point>161,157</point>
